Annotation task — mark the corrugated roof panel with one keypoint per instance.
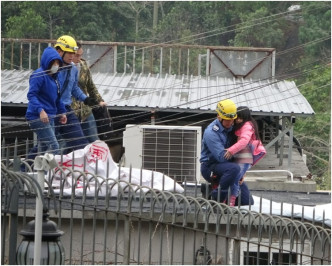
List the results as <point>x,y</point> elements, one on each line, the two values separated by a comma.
<point>194,94</point>
<point>210,94</point>
<point>151,92</point>
<point>163,94</point>
<point>14,85</point>
<point>113,94</point>
<point>237,95</point>
<point>178,92</point>
<point>270,100</point>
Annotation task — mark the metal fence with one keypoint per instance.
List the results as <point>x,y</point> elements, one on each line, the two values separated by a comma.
<point>112,57</point>
<point>134,224</point>
<point>151,58</point>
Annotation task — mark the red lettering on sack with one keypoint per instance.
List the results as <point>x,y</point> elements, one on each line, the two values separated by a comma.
<point>79,185</point>
<point>68,164</point>
<point>97,153</point>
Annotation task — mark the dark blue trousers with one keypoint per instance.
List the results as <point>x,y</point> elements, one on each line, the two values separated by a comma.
<point>226,174</point>
<point>71,132</point>
<point>245,195</point>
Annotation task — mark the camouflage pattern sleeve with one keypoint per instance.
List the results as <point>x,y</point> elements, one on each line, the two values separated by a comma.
<point>87,84</point>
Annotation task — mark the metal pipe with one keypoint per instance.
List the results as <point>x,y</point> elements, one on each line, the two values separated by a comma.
<point>30,48</point>
<point>161,61</point>
<point>38,220</point>
<point>134,59</point>
<point>272,171</point>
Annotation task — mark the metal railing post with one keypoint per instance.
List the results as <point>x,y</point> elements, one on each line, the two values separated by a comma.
<point>17,160</point>
<point>13,210</point>
<point>115,59</point>
<point>207,62</point>
<point>42,163</point>
<point>290,145</point>
<point>126,241</point>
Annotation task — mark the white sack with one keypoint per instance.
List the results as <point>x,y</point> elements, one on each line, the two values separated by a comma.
<point>98,153</point>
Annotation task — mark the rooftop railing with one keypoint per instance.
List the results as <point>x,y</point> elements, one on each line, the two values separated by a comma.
<point>163,58</point>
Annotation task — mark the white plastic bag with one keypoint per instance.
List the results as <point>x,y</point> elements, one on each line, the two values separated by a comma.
<point>96,158</point>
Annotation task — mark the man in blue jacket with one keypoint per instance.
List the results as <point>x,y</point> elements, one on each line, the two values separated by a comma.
<point>72,132</point>
<point>214,167</point>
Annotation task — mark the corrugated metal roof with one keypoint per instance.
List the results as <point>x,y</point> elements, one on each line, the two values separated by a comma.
<point>171,92</point>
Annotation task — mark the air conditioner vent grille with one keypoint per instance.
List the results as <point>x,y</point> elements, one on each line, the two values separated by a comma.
<point>172,152</point>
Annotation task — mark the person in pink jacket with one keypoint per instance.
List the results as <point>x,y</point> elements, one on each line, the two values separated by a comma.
<point>248,149</point>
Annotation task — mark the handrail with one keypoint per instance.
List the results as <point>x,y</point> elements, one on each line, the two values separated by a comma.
<point>159,58</point>
<point>148,45</point>
<point>268,171</point>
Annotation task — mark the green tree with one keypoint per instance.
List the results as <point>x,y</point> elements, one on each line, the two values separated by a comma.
<point>191,22</point>
<point>98,21</point>
<point>316,26</point>
<point>40,19</point>
<point>314,133</point>
<point>8,9</point>
<point>139,13</point>
<point>258,29</point>
<point>17,26</point>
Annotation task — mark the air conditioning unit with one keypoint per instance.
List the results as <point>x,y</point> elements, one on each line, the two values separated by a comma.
<point>172,150</point>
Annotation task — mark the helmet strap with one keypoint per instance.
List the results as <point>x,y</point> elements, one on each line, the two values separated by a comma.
<point>63,55</point>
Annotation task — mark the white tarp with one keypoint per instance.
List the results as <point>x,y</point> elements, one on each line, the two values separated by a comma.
<point>315,213</point>
<point>98,154</point>
<point>99,151</point>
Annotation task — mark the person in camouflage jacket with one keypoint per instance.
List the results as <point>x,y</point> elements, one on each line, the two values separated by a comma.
<point>83,111</point>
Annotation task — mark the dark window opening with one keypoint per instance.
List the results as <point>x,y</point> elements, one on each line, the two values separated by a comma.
<point>253,258</point>
<point>284,259</point>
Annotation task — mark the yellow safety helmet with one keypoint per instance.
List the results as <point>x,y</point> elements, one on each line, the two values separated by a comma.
<point>226,109</point>
<point>67,44</point>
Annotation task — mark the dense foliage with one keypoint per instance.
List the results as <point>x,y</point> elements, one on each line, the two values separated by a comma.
<point>302,38</point>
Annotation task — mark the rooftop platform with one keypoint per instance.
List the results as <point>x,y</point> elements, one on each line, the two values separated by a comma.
<point>277,177</point>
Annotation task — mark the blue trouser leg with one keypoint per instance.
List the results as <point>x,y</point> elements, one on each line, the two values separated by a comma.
<point>45,136</point>
<point>246,197</point>
<point>89,127</point>
<point>71,132</point>
<point>235,188</point>
<point>227,173</point>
